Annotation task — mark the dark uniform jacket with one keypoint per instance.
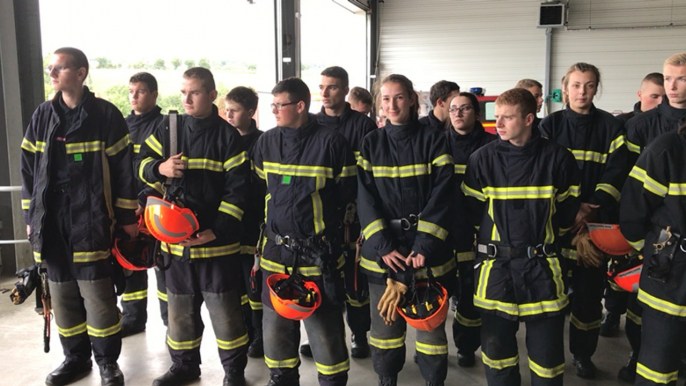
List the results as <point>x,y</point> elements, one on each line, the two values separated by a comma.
<point>213,184</point>
<point>140,128</point>
<point>101,183</point>
<point>653,198</point>
<point>431,120</point>
<point>521,197</point>
<point>310,177</point>
<point>254,201</point>
<point>624,118</point>
<point>644,128</point>
<point>405,171</point>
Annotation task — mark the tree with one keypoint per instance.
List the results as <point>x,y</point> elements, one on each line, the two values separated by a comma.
<point>138,65</point>
<point>189,63</point>
<point>170,102</point>
<point>159,65</point>
<point>203,62</point>
<point>176,62</point>
<point>119,96</point>
<point>252,67</point>
<point>104,62</point>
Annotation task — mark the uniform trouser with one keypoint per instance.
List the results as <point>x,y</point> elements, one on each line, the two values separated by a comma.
<point>544,343</point>
<point>662,341</point>
<point>587,309</point>
<point>467,320</point>
<point>357,303</point>
<point>388,344</point>
<point>162,294</point>
<point>134,301</point>
<point>634,312</point>
<point>83,297</point>
<point>616,299</point>
<point>251,298</point>
<point>325,330</point>
<point>212,281</point>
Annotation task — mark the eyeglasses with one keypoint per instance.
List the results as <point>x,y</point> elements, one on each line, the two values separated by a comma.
<point>461,109</point>
<point>279,106</point>
<point>57,69</point>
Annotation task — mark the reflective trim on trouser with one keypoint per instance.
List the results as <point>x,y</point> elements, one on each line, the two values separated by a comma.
<point>134,301</point>
<point>656,377</point>
<point>546,372</point>
<point>584,326</point>
<point>662,341</point>
<point>587,310</point>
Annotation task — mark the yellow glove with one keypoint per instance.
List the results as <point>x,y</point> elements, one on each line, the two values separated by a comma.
<point>587,253</point>
<point>394,294</point>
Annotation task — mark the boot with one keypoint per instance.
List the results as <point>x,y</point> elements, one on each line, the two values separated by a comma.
<point>234,377</point>
<point>256,348</point>
<point>359,347</point>
<point>609,327</point>
<point>305,349</point>
<point>68,372</point>
<point>628,372</point>
<point>281,380</point>
<point>177,375</point>
<point>435,383</point>
<point>465,359</point>
<point>583,367</point>
<point>388,381</point>
<point>128,329</point>
<point>111,375</point>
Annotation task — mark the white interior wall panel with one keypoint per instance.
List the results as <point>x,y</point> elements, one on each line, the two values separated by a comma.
<point>584,14</point>
<point>475,43</point>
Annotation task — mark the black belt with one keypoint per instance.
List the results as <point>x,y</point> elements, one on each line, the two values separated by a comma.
<point>293,243</point>
<point>400,225</point>
<point>494,250</point>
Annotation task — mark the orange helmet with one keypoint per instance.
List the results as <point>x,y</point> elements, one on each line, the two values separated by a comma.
<point>292,297</point>
<point>135,254</point>
<point>168,222</point>
<point>609,239</point>
<point>626,271</point>
<point>427,307</point>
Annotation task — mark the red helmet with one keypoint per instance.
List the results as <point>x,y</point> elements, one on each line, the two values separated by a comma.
<point>609,239</point>
<point>626,271</point>
<point>135,254</point>
<point>427,307</point>
<point>168,222</point>
<point>292,297</point>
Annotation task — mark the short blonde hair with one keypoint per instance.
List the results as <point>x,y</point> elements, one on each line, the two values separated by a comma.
<point>677,59</point>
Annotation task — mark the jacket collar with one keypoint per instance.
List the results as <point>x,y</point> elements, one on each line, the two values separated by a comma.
<point>302,131</point>
<point>202,124</point>
<point>333,120</point>
<point>403,131</point>
<point>145,117</point>
<point>669,112</point>
<point>528,149</point>
<point>471,136</point>
<point>580,118</point>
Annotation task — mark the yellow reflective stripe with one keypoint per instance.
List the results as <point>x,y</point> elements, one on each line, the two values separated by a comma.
<point>677,189</point>
<point>136,148</point>
<point>499,364</point>
<point>364,164</point>
<point>556,270</point>
<point>104,332</point>
<point>546,372</point>
<point>387,344</point>
<point>495,236</point>
<point>437,271</point>
<point>638,245</point>
<point>587,155</point>
<point>248,249</point>
<point>634,148</point>
<point>236,160</point>
<point>28,146</point>
<point>259,173</point>
<point>162,296</point>
<point>76,330</point>
<point>518,192</point>
<point>25,204</point>
<point>615,287</point>
<point>156,185</point>
<point>119,146</point>
<point>461,319</point>
<point>649,183</point>
<point>138,295</point>
<point>255,306</point>
<point>203,252</point>
<point>527,309</point>
<point>185,345</point>
<point>333,369</point>
<point>401,171</point>
<point>87,257</point>
<point>549,231</point>
<point>486,267</point>
<point>358,155</point>
<point>432,349</point>
<point>37,257</point>
<point>84,147</point>
<point>232,344</point>
<point>442,160</point>
<point>244,300</point>
<point>373,227</point>
<point>284,363</point>
<point>280,268</point>
<point>318,206</point>
<point>472,192</point>
<point>355,302</point>
<point>125,203</point>
<point>465,256</point>
<point>203,164</point>
<point>609,189</point>
<point>636,319</point>
<point>616,144</point>
<point>154,144</point>
<point>347,171</point>
<point>460,169</point>
<point>370,265</point>
<point>562,231</point>
<point>661,305</point>
<point>432,229</point>
<point>298,170</point>
<point>231,210</point>
<point>584,326</point>
<point>655,376</point>
<point>574,191</point>
<point>40,146</point>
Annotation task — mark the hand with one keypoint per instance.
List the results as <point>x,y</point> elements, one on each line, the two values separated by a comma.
<point>200,238</point>
<point>173,167</point>
<point>416,260</point>
<point>131,230</point>
<point>586,213</point>
<point>28,231</point>
<point>394,260</point>
<point>139,211</point>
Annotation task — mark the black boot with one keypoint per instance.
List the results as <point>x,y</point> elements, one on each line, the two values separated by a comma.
<point>359,347</point>
<point>281,380</point>
<point>68,372</point>
<point>435,383</point>
<point>177,375</point>
<point>128,329</point>
<point>111,375</point>
<point>234,377</point>
<point>583,367</point>
<point>465,359</point>
<point>388,381</point>
<point>256,348</point>
<point>305,349</point>
<point>628,372</point>
<point>609,327</point>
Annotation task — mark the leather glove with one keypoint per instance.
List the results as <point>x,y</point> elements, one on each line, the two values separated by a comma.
<point>587,254</point>
<point>394,295</point>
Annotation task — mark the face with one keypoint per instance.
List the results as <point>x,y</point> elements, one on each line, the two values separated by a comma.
<point>238,116</point>
<point>511,125</point>
<point>361,107</point>
<point>63,75</point>
<point>581,88</point>
<point>650,95</point>
<point>332,92</point>
<point>196,100</point>
<point>444,105</point>
<point>288,115</point>
<point>140,97</point>
<point>675,84</point>
<point>396,103</point>
<point>463,115</point>
<point>538,94</point>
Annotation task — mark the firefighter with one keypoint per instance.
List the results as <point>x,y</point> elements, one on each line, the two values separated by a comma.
<point>360,100</point>
<point>653,219</point>
<point>145,117</point>
<point>241,105</point>
<point>465,135</point>
<point>522,192</point>
<point>650,95</point>
<point>405,175</point>
<point>596,139</point>
<point>309,171</point>
<point>440,95</point>
<point>208,179</point>
<point>536,89</point>
<point>77,182</point>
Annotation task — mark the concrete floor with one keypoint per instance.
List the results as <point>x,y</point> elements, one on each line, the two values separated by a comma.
<point>144,356</point>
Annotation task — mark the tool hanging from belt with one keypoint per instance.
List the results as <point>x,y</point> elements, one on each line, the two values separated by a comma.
<point>47,310</point>
<point>492,250</point>
<point>348,220</point>
<point>254,285</point>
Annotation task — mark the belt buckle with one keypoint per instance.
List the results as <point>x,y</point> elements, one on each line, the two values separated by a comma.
<point>682,245</point>
<point>283,240</point>
<point>405,224</point>
<point>495,251</point>
<point>539,250</point>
